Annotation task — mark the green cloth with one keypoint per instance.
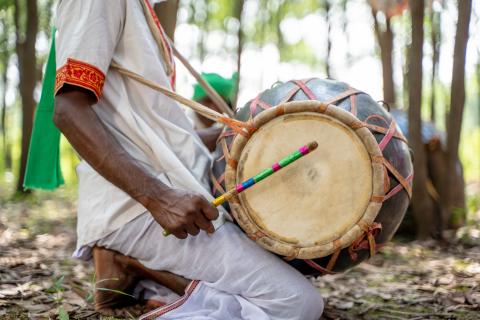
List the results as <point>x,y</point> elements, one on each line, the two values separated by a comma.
<point>43,164</point>
<point>226,88</point>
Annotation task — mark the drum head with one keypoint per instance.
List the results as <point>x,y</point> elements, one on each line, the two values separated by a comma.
<point>313,203</point>
<point>320,196</point>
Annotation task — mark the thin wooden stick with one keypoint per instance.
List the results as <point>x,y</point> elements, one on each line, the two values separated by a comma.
<point>157,36</point>
<point>212,94</point>
<point>200,108</point>
<point>266,173</point>
<point>219,102</point>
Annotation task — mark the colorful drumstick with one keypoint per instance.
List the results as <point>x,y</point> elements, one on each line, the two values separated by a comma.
<point>266,173</point>
<point>306,149</point>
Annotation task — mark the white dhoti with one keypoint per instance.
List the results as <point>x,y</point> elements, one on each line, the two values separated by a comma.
<point>237,279</point>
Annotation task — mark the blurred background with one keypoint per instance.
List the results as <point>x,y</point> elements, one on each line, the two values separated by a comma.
<point>419,59</point>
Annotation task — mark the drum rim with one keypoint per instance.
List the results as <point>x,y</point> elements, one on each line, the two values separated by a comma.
<point>263,237</point>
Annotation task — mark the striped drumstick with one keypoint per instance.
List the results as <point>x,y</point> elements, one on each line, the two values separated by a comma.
<point>306,149</point>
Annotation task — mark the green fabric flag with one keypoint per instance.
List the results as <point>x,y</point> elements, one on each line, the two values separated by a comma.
<point>224,87</point>
<point>43,164</point>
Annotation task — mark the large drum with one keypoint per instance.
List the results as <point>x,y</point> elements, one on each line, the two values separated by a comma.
<point>333,208</point>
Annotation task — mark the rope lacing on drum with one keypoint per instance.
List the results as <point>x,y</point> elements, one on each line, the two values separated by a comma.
<point>217,183</point>
<point>245,129</point>
<point>257,102</point>
<point>318,267</point>
<point>367,240</point>
<point>390,133</point>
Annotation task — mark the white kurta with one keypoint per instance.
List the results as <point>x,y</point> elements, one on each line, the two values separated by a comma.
<point>151,127</point>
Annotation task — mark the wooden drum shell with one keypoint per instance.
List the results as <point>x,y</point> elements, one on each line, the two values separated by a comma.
<point>354,108</point>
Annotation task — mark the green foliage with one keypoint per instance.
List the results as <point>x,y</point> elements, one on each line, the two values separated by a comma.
<point>473,207</point>
<point>458,216</point>
<point>62,314</point>
<point>57,285</point>
<point>469,153</point>
<point>300,52</point>
<point>56,289</point>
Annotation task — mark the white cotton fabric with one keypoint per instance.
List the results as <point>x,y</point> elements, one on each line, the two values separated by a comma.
<point>150,290</point>
<point>239,279</point>
<point>151,127</point>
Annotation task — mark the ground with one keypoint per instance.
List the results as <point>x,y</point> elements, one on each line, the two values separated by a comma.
<point>408,280</point>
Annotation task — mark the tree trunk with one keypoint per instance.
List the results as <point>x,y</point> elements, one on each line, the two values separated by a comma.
<point>422,206</point>
<point>349,58</point>
<point>4,60</point>
<point>25,47</point>
<point>453,197</point>
<point>387,65</point>
<point>202,49</point>
<point>405,64</point>
<point>385,42</point>
<point>5,142</point>
<point>329,40</point>
<point>167,14</point>
<point>436,42</point>
<point>238,14</point>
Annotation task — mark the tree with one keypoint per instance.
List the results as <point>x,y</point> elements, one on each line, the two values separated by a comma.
<point>385,42</point>
<point>202,49</point>
<point>422,206</point>
<point>327,7</point>
<point>5,52</point>
<point>436,39</point>
<point>454,200</point>
<point>238,14</point>
<point>385,37</point>
<point>27,66</point>
<point>344,5</point>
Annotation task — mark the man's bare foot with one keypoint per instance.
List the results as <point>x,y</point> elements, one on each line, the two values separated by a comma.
<point>116,278</point>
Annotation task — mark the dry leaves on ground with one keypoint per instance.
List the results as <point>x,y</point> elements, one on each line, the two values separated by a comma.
<point>416,280</point>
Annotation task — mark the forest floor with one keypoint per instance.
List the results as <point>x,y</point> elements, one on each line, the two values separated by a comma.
<point>408,280</point>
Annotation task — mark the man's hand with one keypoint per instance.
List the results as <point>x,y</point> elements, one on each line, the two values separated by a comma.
<point>182,213</point>
<point>178,212</point>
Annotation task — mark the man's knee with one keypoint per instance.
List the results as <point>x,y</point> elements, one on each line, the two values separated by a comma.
<point>302,299</point>
<point>310,302</point>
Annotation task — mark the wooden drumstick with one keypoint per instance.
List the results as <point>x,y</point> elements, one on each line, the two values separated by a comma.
<point>239,188</point>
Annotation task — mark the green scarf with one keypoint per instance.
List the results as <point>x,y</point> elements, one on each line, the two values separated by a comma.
<point>226,88</point>
<point>43,164</point>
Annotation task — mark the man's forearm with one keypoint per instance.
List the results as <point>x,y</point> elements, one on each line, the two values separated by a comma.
<point>178,211</point>
<point>84,130</point>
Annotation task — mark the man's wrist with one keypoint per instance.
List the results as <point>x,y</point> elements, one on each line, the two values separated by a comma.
<point>148,191</point>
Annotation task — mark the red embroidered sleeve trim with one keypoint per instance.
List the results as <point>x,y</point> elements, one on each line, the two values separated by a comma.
<point>82,74</point>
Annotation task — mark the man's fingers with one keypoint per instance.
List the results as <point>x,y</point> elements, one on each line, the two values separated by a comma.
<point>209,211</point>
<point>192,229</point>
<point>204,224</point>
<point>180,234</point>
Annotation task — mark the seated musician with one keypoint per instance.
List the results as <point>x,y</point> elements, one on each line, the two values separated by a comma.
<point>144,170</point>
